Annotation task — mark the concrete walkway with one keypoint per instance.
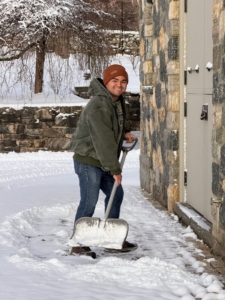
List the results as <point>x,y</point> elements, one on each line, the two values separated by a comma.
<point>215,265</point>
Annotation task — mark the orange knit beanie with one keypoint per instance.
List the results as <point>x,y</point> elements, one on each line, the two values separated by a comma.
<point>114,71</point>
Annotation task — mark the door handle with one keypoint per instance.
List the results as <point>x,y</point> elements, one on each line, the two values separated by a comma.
<point>204,113</point>
<point>196,69</point>
<point>209,66</point>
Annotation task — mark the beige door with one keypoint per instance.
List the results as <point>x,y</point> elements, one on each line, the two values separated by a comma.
<point>199,99</point>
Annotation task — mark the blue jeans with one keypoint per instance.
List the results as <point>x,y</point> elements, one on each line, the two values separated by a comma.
<point>93,179</point>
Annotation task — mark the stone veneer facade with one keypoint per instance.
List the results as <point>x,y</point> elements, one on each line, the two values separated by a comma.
<point>160,44</point>
<point>218,134</point>
<point>159,121</point>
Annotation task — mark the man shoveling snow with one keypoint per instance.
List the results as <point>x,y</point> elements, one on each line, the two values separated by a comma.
<point>97,144</point>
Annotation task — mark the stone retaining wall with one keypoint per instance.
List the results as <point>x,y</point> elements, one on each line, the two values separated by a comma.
<point>126,42</point>
<point>33,128</point>
<point>47,128</point>
<point>132,106</point>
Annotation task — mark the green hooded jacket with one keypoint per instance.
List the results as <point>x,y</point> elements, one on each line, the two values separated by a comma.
<point>98,140</point>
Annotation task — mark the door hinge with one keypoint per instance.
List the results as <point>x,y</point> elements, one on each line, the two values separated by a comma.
<point>185,77</point>
<point>185,109</point>
<point>185,178</point>
<point>185,6</point>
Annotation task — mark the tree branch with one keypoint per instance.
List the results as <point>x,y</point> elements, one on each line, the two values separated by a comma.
<point>20,54</point>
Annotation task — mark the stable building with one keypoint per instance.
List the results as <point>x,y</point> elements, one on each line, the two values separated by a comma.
<point>182,74</point>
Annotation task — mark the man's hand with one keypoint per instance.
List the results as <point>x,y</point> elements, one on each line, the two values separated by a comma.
<point>130,137</point>
<point>118,179</point>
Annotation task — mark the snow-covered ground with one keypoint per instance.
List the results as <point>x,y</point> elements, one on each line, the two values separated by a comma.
<point>39,196</point>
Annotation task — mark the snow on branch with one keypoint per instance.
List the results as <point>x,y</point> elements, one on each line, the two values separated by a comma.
<point>24,22</point>
<point>62,27</point>
<point>16,56</point>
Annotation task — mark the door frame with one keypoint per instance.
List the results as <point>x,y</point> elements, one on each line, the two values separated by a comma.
<point>182,121</point>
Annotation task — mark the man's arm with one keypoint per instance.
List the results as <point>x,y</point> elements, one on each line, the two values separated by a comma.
<point>118,179</point>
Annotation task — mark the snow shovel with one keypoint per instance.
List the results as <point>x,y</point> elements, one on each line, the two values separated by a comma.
<point>106,233</point>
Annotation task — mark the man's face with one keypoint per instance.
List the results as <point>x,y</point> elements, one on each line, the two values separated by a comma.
<point>117,86</point>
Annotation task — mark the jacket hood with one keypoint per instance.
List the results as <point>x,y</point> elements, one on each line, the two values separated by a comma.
<point>96,88</point>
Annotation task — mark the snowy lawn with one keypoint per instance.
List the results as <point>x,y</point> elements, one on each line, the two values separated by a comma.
<point>69,76</point>
<point>39,195</point>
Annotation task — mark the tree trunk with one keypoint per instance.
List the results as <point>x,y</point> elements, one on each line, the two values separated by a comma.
<point>40,60</point>
<point>136,4</point>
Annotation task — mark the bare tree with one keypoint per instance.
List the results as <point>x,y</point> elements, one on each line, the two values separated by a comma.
<point>44,25</point>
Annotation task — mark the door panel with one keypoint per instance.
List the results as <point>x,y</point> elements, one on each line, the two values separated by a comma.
<point>199,92</point>
<point>195,46</point>
<point>199,158</point>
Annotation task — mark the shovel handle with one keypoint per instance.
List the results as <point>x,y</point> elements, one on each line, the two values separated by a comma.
<point>114,188</point>
<point>125,151</point>
<point>130,147</point>
<point>110,201</point>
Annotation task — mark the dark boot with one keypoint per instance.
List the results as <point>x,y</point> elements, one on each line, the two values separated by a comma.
<point>82,251</point>
<point>127,247</point>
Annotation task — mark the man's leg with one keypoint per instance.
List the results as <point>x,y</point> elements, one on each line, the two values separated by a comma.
<point>89,180</point>
<point>107,183</point>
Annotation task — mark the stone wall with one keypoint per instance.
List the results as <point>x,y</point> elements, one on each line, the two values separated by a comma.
<point>132,101</point>
<point>218,134</point>
<point>32,128</point>
<point>159,76</point>
<point>126,42</point>
<point>48,128</point>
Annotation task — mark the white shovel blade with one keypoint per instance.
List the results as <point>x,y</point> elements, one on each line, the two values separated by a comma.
<point>92,232</point>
